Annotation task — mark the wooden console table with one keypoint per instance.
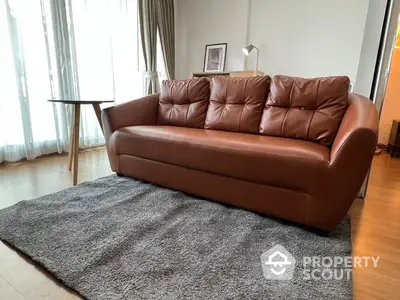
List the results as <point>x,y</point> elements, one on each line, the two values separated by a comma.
<point>247,73</point>
<point>73,155</point>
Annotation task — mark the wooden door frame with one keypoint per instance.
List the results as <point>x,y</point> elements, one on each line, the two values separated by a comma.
<point>383,63</point>
<point>386,47</point>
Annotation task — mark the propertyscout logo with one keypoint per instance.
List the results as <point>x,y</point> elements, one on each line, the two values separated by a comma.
<point>279,264</point>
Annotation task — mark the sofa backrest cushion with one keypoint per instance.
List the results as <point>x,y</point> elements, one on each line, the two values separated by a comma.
<point>308,109</point>
<point>236,104</point>
<point>184,102</point>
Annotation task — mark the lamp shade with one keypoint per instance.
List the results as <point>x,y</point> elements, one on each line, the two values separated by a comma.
<point>248,49</point>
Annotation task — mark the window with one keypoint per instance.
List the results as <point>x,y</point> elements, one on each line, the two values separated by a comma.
<point>104,54</point>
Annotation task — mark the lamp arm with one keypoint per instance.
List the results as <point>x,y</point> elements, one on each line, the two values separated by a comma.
<point>258,50</point>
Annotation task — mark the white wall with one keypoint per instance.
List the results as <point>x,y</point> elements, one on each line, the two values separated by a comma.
<point>201,22</point>
<point>370,45</point>
<point>296,37</point>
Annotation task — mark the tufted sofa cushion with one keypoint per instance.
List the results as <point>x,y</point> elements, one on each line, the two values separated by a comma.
<point>236,104</point>
<point>308,109</point>
<point>184,102</point>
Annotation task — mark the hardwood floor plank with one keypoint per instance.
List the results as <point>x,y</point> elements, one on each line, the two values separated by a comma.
<point>8,292</point>
<point>49,290</point>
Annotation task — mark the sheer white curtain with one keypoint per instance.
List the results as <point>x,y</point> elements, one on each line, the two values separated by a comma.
<point>161,68</point>
<point>105,44</point>
<point>108,59</point>
<point>27,127</point>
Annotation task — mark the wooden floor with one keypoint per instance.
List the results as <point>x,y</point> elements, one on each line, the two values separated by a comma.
<point>375,223</point>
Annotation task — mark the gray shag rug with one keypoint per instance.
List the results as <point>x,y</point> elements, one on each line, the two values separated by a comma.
<point>120,238</point>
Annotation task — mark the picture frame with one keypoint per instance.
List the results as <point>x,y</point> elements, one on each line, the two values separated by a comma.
<point>215,57</point>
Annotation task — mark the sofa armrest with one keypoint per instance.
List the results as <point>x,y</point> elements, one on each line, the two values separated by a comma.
<point>351,156</point>
<point>142,111</point>
<point>358,132</point>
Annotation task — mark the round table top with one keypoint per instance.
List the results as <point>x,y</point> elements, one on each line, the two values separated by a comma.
<point>81,101</point>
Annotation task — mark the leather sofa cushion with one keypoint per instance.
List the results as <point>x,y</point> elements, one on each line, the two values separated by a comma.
<point>286,163</point>
<point>307,109</point>
<point>184,102</point>
<point>236,104</point>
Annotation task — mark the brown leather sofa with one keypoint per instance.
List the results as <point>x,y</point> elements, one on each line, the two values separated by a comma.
<point>294,148</point>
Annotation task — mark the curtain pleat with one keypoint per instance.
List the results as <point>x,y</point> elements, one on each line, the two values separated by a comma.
<point>66,65</point>
<point>56,116</point>
<point>147,10</point>
<point>21,79</point>
<point>166,29</point>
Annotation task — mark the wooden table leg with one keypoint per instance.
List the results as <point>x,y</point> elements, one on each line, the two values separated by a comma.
<point>77,118</point>
<point>72,141</point>
<point>97,110</point>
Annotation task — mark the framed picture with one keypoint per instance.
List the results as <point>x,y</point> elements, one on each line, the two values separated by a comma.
<point>214,57</point>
